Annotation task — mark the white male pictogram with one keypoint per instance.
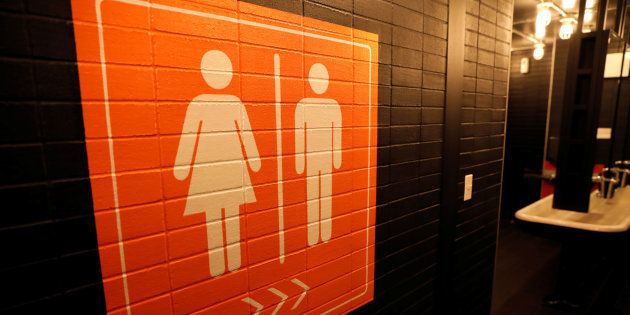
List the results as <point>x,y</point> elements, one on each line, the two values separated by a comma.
<point>210,152</point>
<point>318,148</point>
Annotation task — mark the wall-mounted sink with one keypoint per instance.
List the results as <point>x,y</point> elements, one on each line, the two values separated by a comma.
<point>604,215</point>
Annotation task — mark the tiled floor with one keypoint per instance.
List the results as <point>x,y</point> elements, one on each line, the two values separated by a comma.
<point>525,273</point>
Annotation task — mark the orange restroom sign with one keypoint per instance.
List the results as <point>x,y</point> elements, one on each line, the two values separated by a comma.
<point>232,155</point>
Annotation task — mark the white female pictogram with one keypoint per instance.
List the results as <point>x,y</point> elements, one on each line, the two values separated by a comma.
<point>318,141</point>
<point>210,152</point>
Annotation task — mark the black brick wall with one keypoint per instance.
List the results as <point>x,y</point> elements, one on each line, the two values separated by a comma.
<point>49,262</point>
<point>526,128</point>
<point>487,55</point>
<point>412,58</point>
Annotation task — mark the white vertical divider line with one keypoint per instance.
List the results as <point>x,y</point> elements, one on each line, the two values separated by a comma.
<point>276,73</point>
<point>110,142</point>
<point>367,223</point>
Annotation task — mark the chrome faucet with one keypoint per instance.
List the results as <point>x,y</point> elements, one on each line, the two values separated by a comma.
<point>608,181</point>
<point>622,172</point>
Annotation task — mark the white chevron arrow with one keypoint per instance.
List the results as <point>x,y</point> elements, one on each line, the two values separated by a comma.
<point>282,296</point>
<point>253,303</point>
<point>303,286</point>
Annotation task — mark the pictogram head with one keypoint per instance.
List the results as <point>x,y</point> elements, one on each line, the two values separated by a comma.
<point>216,69</point>
<point>318,78</point>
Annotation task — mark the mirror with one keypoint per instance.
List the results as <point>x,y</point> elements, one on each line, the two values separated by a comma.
<point>610,105</point>
<point>535,113</point>
<point>554,116</point>
<point>568,108</point>
<point>592,120</point>
<point>619,143</point>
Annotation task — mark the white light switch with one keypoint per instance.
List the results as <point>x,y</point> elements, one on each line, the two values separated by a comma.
<point>468,186</point>
<point>604,133</point>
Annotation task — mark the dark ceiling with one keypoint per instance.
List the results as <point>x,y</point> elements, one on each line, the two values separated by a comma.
<point>525,17</point>
<point>524,21</point>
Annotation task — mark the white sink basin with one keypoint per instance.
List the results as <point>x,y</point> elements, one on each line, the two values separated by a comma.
<point>607,216</point>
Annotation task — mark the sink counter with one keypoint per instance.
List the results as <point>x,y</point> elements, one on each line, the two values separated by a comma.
<point>606,216</point>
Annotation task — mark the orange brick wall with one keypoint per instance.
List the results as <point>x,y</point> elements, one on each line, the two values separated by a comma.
<point>141,69</point>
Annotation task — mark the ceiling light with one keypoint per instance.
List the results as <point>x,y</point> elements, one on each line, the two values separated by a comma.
<point>590,4</point>
<point>541,29</point>
<point>588,15</point>
<point>544,14</point>
<point>566,29</point>
<point>568,4</point>
<point>539,51</point>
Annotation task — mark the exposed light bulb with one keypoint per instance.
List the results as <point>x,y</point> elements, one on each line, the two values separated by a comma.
<point>590,4</point>
<point>568,4</point>
<point>544,14</point>
<point>566,29</point>
<point>539,51</point>
<point>541,30</point>
<point>588,15</point>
